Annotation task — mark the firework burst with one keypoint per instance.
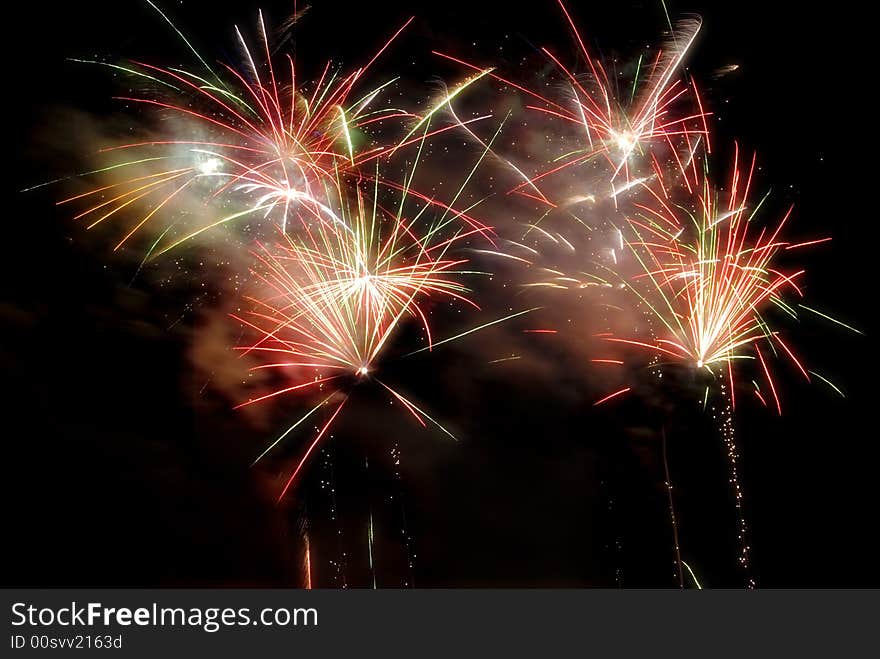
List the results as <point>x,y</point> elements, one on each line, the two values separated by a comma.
<point>629,126</point>
<point>243,143</point>
<point>710,276</point>
<point>708,273</point>
<point>334,296</point>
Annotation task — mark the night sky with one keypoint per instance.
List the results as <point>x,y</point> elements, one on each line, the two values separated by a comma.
<point>124,469</point>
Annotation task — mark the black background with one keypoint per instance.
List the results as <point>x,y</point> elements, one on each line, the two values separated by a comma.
<point>115,477</point>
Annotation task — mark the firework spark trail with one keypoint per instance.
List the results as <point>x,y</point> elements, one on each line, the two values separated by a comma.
<point>307,561</point>
<point>728,434</point>
<point>673,523</point>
